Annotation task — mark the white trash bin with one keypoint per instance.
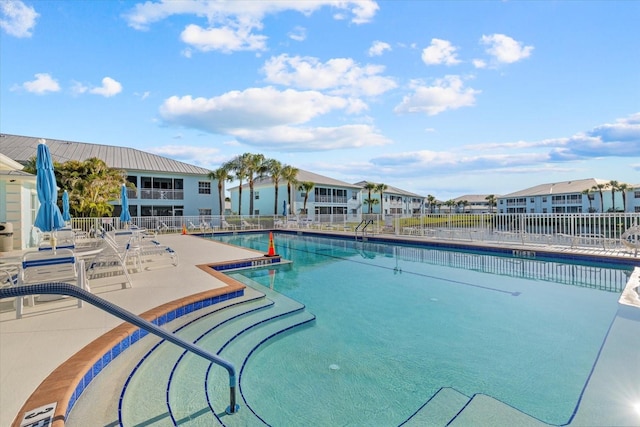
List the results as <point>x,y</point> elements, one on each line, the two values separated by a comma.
<point>6,236</point>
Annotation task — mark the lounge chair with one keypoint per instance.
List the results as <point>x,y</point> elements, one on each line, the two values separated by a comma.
<point>118,254</point>
<point>57,266</point>
<point>226,226</point>
<point>245,224</point>
<point>630,239</point>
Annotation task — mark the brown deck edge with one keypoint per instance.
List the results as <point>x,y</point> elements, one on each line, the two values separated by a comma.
<point>60,385</point>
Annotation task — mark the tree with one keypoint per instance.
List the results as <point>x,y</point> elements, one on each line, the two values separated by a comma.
<point>371,202</point>
<point>463,204</point>
<point>221,174</point>
<point>491,200</point>
<point>614,186</point>
<point>290,175</point>
<point>91,184</point>
<point>305,186</point>
<point>589,193</point>
<point>450,204</point>
<point>274,169</point>
<point>431,200</point>
<point>369,186</point>
<point>381,188</point>
<point>239,168</point>
<point>256,168</point>
<point>599,188</point>
<point>623,188</point>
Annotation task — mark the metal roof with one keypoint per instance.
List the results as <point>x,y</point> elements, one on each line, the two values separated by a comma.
<point>391,190</point>
<point>23,148</point>
<point>302,176</point>
<point>577,186</point>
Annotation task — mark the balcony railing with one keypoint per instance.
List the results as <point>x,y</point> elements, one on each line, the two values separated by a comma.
<point>161,194</point>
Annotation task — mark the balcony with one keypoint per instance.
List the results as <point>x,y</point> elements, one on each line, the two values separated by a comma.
<point>161,194</point>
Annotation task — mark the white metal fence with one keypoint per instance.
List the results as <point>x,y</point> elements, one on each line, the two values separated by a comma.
<point>575,230</point>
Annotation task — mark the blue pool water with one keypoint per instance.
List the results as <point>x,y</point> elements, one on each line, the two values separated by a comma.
<point>394,324</point>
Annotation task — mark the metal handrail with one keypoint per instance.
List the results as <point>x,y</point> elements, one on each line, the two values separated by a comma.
<point>74,291</point>
<point>364,222</point>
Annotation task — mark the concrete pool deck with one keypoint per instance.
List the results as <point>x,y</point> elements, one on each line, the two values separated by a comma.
<point>49,334</point>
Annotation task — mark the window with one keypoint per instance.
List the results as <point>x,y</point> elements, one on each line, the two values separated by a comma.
<point>256,196</point>
<point>204,187</point>
<point>256,211</point>
<point>204,212</point>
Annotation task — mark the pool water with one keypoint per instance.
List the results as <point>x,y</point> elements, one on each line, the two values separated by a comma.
<point>394,324</point>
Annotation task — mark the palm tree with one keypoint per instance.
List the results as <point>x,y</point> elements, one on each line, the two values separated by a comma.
<point>371,202</point>
<point>589,193</point>
<point>450,203</point>
<point>239,168</point>
<point>274,169</point>
<point>370,186</point>
<point>491,199</point>
<point>432,201</point>
<point>614,186</point>
<point>290,175</point>
<point>381,188</point>
<point>256,168</point>
<point>305,186</point>
<point>623,188</point>
<point>221,174</point>
<point>599,188</point>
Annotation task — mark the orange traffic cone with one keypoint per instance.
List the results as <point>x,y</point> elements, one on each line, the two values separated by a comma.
<point>272,249</point>
<point>184,229</point>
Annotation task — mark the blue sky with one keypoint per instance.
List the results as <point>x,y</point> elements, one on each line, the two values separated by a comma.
<point>446,98</point>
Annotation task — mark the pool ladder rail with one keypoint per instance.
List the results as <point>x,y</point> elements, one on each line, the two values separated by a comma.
<point>81,294</point>
<point>364,224</point>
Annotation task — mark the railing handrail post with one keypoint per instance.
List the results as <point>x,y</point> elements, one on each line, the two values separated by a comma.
<point>74,291</point>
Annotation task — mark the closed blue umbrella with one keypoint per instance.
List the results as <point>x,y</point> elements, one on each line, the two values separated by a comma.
<point>49,217</point>
<point>125,216</point>
<point>65,206</point>
<point>284,208</point>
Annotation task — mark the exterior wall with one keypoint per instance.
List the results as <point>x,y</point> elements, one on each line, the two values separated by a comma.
<point>20,202</point>
<point>564,203</point>
<point>350,202</point>
<point>171,199</point>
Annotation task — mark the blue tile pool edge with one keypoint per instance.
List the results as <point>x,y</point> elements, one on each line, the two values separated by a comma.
<point>137,334</point>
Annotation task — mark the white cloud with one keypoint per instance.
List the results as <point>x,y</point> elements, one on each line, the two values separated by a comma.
<point>224,39</point>
<point>378,48</point>
<point>253,108</point>
<point>17,19</point>
<point>42,84</point>
<point>109,88</point>
<point>479,63</point>
<point>232,24</point>
<point>504,49</point>
<point>289,139</point>
<point>440,52</point>
<point>298,34</point>
<point>339,76</point>
<point>445,94</point>
<point>269,118</point>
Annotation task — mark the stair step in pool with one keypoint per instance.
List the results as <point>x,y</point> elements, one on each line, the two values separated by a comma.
<point>439,410</point>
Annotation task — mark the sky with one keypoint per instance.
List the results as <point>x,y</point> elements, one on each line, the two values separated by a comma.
<point>442,98</point>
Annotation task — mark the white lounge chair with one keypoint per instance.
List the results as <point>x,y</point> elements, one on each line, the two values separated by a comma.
<point>630,239</point>
<point>58,266</point>
<point>244,225</point>
<point>226,226</point>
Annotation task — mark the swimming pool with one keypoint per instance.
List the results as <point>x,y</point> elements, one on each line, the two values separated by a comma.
<point>395,325</point>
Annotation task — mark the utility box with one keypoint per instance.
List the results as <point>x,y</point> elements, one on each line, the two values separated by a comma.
<point>6,236</point>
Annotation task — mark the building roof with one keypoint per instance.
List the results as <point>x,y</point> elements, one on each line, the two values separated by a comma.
<point>474,198</point>
<point>302,176</point>
<point>23,148</point>
<point>391,190</point>
<point>577,186</point>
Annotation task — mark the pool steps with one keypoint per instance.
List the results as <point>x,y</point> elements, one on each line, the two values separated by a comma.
<point>236,327</point>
